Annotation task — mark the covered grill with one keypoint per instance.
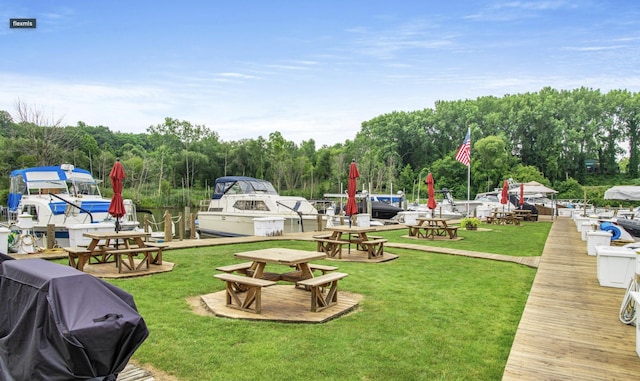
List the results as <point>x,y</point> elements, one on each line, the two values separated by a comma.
<point>58,323</point>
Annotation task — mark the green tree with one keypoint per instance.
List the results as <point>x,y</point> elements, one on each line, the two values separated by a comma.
<point>187,134</point>
<point>492,162</point>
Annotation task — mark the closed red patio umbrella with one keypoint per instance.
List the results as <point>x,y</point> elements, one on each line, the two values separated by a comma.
<point>352,185</point>
<point>116,208</point>
<point>431,204</point>
<point>352,204</point>
<point>521,201</point>
<point>505,194</point>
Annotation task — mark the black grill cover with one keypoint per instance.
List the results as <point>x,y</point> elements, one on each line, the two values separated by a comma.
<point>58,323</point>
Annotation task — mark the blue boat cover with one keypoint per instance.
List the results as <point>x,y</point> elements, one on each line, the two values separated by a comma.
<point>613,229</point>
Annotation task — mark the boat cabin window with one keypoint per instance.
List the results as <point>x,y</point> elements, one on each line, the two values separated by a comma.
<point>86,188</point>
<point>251,205</point>
<point>18,185</point>
<point>32,210</point>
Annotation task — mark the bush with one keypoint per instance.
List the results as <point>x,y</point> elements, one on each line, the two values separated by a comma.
<point>470,221</point>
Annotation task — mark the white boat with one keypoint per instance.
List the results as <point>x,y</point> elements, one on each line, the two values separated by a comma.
<point>238,200</point>
<point>446,208</point>
<point>491,201</point>
<point>443,209</point>
<point>62,196</point>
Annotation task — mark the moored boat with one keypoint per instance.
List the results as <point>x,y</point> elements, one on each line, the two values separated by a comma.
<point>378,206</point>
<point>238,200</point>
<point>61,197</point>
<point>632,226</point>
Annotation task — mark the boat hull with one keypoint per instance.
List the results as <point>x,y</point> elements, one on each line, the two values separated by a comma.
<point>220,224</point>
<point>631,226</point>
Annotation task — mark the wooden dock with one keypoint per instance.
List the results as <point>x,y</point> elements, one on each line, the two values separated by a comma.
<point>570,329</point>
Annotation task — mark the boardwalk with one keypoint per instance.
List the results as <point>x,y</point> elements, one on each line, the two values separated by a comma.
<point>570,328</point>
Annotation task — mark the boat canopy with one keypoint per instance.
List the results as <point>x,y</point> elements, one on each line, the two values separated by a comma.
<point>623,192</point>
<point>49,179</point>
<point>241,185</point>
<point>52,173</point>
<point>532,187</point>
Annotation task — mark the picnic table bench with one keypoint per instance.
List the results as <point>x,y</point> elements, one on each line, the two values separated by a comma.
<point>242,268</point>
<point>324,290</point>
<point>237,285</point>
<point>373,247</point>
<point>333,247</point>
<point>78,256</point>
<point>157,259</point>
<point>130,253</point>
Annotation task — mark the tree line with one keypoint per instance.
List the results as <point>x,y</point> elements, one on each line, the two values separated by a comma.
<point>546,136</point>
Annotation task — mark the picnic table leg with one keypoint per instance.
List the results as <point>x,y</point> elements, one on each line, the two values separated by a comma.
<point>305,270</point>
<point>259,269</point>
<point>82,259</point>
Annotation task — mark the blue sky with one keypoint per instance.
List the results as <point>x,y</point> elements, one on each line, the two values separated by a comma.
<point>309,69</point>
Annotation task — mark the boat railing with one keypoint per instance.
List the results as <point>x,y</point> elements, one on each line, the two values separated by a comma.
<point>294,210</point>
<point>73,205</point>
<point>204,205</point>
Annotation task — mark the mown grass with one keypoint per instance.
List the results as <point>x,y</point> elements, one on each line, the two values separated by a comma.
<point>525,240</point>
<point>423,317</point>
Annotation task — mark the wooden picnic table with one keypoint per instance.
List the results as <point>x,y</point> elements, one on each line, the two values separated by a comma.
<point>244,292</point>
<point>346,235</point>
<point>501,218</point>
<point>431,228</point>
<point>112,246</point>
<point>281,256</point>
<point>524,214</point>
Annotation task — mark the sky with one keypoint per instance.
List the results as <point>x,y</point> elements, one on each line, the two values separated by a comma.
<point>307,69</point>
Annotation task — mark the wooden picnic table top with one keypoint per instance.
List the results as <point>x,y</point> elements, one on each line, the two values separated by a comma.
<point>430,219</point>
<point>129,234</point>
<point>281,255</point>
<point>431,222</point>
<point>351,229</point>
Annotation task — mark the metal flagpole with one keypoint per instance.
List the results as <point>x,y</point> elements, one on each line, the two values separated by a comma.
<point>464,156</point>
<point>469,174</point>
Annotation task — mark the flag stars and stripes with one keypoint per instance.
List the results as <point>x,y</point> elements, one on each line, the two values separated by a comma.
<point>464,152</point>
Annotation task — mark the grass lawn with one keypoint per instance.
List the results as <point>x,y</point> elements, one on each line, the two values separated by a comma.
<point>423,317</point>
<point>525,240</point>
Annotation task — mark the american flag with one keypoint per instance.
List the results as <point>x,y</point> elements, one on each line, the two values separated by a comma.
<point>464,153</point>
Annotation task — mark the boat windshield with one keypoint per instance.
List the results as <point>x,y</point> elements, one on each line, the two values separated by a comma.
<point>245,187</point>
<point>487,198</point>
<point>47,187</point>
<point>88,188</point>
<point>258,186</point>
